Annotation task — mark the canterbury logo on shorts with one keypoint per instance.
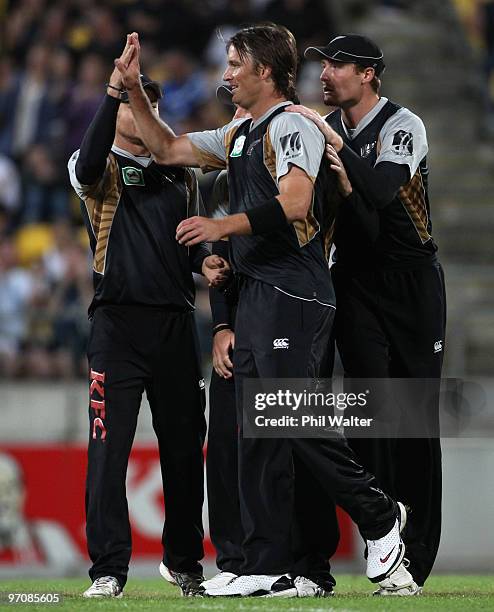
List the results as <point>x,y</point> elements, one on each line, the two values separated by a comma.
<point>281,343</point>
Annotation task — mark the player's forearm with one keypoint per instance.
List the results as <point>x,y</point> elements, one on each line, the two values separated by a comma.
<point>272,215</point>
<point>158,137</point>
<point>197,255</point>
<point>378,185</point>
<point>97,142</point>
<point>221,311</point>
<point>234,225</point>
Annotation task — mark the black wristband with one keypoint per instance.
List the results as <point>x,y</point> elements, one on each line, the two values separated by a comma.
<point>115,88</point>
<point>220,327</point>
<point>267,217</point>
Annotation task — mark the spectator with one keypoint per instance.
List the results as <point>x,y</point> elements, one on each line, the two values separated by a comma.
<point>16,288</point>
<point>85,99</point>
<point>34,113</point>
<point>308,20</point>
<point>45,194</point>
<point>186,90</point>
<point>10,185</point>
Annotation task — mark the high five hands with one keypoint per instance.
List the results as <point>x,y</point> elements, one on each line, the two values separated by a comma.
<point>128,63</point>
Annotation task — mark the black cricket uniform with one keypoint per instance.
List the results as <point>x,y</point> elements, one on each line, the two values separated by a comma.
<point>284,317</point>
<point>316,532</point>
<point>142,337</point>
<point>391,304</point>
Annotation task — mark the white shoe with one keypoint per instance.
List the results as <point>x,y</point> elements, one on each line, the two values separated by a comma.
<point>399,583</point>
<point>165,573</point>
<point>219,581</point>
<point>403,515</point>
<point>256,585</point>
<point>106,586</point>
<point>308,588</point>
<point>385,554</point>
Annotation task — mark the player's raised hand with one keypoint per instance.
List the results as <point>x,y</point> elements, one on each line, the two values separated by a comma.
<point>216,270</point>
<point>335,163</point>
<point>331,137</point>
<point>128,63</point>
<point>199,229</point>
<point>115,81</point>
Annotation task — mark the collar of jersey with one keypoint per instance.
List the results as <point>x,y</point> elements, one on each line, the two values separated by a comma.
<point>139,159</point>
<point>366,119</point>
<point>267,113</point>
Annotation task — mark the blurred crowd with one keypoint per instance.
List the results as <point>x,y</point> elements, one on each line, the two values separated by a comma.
<point>55,57</point>
<point>477,17</point>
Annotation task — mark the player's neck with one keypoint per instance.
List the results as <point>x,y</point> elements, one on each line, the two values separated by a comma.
<point>262,106</point>
<point>354,114</point>
<point>137,150</point>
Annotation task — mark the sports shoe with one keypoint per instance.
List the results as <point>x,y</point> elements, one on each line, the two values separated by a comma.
<point>188,582</point>
<point>308,588</point>
<point>385,554</point>
<point>399,583</point>
<point>165,573</point>
<point>256,585</point>
<point>106,586</point>
<point>219,581</point>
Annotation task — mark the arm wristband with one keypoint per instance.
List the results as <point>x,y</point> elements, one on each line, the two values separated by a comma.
<point>115,88</point>
<point>267,217</point>
<point>220,327</point>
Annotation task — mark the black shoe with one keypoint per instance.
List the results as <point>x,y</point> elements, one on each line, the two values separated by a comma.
<point>188,582</point>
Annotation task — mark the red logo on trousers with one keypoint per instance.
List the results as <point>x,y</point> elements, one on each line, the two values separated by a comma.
<point>97,403</point>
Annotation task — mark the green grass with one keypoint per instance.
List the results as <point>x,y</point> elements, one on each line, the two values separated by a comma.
<point>448,593</point>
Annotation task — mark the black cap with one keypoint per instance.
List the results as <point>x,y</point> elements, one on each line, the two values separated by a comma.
<point>224,95</point>
<point>147,83</point>
<point>351,48</point>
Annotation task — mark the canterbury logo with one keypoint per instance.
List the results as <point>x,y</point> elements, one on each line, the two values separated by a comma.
<point>438,346</point>
<point>281,343</point>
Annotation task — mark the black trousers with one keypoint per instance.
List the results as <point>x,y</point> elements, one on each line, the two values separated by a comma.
<point>132,349</point>
<point>316,533</point>
<point>392,324</point>
<point>266,466</point>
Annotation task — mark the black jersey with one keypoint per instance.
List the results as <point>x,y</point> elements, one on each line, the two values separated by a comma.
<point>393,134</point>
<point>257,155</point>
<point>131,215</point>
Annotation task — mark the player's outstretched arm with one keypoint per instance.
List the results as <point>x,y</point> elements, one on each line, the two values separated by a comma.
<point>159,138</point>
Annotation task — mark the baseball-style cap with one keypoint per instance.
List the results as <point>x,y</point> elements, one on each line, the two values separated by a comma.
<point>147,83</point>
<point>224,95</point>
<point>351,48</point>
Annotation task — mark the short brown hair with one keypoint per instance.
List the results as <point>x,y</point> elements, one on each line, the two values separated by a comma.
<point>269,44</point>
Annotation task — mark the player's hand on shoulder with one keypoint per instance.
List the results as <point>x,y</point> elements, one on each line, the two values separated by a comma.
<point>331,137</point>
<point>335,163</point>
<point>216,270</point>
<point>223,344</point>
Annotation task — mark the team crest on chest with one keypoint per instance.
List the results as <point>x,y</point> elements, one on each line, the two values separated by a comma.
<point>238,147</point>
<point>367,149</point>
<point>133,176</point>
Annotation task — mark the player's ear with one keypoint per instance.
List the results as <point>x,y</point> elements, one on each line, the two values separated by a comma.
<point>264,72</point>
<point>368,74</point>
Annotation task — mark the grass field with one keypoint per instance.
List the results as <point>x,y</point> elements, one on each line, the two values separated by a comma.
<point>463,593</point>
